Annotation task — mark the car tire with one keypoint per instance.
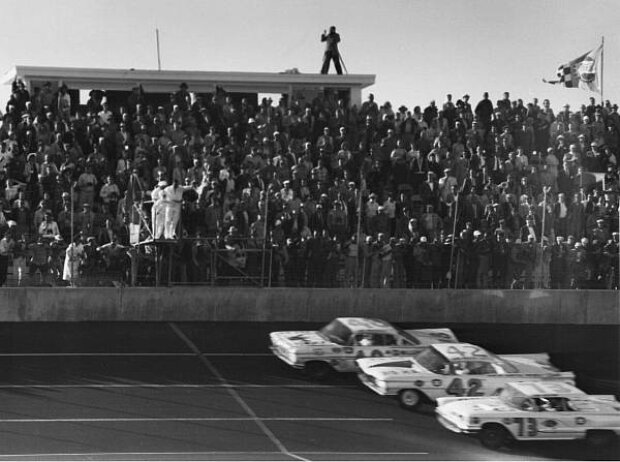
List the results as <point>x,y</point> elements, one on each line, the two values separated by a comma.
<point>410,399</point>
<point>600,438</point>
<point>317,370</point>
<point>493,436</point>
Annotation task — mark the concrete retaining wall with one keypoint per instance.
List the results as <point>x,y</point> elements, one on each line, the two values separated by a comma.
<point>35,304</point>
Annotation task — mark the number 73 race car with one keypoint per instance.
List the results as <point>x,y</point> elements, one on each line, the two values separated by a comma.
<point>337,345</point>
<point>457,369</point>
<point>533,411</point>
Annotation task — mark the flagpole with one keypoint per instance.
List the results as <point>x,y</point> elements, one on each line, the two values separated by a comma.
<point>602,64</point>
<point>158,55</point>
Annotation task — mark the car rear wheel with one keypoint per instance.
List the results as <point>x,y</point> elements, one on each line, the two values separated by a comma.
<point>317,370</point>
<point>410,399</point>
<point>600,438</point>
<point>493,436</point>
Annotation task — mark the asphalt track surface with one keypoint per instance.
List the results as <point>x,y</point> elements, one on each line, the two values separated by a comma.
<point>206,391</point>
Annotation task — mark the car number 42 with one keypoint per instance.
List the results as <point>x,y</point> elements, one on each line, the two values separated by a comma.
<point>457,388</point>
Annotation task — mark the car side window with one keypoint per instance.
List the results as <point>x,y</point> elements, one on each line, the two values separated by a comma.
<point>560,404</point>
<point>389,340</point>
<point>460,367</point>
<point>366,340</point>
<point>362,340</point>
<point>480,368</point>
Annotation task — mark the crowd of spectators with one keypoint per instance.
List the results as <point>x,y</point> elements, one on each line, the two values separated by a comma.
<point>496,195</point>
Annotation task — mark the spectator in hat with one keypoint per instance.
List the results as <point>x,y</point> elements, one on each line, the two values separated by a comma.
<point>592,160</point>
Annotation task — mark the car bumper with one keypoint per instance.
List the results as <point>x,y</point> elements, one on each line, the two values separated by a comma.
<point>282,356</point>
<point>453,427</point>
<point>369,381</point>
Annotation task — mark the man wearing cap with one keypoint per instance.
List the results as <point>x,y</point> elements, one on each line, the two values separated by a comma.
<point>600,232</point>
<point>592,161</point>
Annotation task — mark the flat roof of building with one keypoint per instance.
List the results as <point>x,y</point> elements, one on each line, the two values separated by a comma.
<point>197,81</point>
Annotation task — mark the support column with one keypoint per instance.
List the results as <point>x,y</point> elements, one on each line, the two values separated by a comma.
<point>356,97</point>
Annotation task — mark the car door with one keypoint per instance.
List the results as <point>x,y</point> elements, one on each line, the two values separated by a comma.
<point>470,378</point>
<point>561,421</point>
<point>362,344</point>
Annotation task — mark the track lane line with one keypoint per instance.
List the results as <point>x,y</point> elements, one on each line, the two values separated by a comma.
<point>210,453</point>
<point>199,419</point>
<point>272,437</point>
<point>145,354</point>
<point>172,385</point>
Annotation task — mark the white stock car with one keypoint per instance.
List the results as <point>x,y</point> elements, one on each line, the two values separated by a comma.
<point>337,345</point>
<point>457,369</point>
<point>533,411</point>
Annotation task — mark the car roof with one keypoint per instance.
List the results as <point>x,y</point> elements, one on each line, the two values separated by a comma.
<point>355,324</point>
<point>547,389</point>
<point>464,351</point>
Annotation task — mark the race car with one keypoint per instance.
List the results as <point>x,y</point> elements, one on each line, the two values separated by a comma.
<point>338,344</point>
<point>457,369</point>
<point>533,411</point>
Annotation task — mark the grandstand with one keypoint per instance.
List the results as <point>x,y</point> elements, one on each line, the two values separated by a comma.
<point>318,189</point>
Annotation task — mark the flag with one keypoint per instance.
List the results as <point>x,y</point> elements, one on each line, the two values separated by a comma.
<point>583,72</point>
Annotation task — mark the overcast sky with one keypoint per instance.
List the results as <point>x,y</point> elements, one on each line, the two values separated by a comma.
<point>418,49</point>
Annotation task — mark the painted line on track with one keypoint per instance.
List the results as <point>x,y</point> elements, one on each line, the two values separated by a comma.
<point>172,385</point>
<point>211,368</point>
<point>123,355</point>
<point>147,454</point>
<point>200,419</point>
<point>205,453</point>
<point>366,453</point>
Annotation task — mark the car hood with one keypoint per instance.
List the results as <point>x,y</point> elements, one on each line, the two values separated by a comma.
<point>385,368</point>
<point>537,363</point>
<point>464,407</point>
<point>299,339</point>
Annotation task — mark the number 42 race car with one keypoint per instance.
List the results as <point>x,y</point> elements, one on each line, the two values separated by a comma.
<point>533,411</point>
<point>340,343</point>
<point>457,369</point>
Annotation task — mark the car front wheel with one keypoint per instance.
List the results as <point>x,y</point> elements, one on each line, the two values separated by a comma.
<point>601,438</point>
<point>410,399</point>
<point>317,370</point>
<point>493,436</point>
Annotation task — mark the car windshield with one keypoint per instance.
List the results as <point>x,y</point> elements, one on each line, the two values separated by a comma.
<point>430,359</point>
<point>406,335</point>
<point>501,366</point>
<point>513,399</point>
<point>336,332</point>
